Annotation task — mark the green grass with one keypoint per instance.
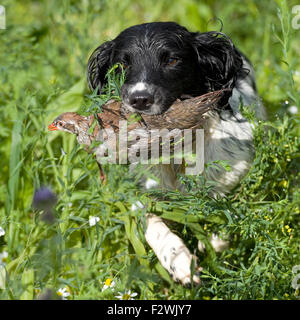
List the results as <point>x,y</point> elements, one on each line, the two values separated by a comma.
<point>43,56</point>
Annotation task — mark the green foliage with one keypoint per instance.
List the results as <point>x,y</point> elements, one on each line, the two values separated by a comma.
<point>111,90</point>
<point>43,56</point>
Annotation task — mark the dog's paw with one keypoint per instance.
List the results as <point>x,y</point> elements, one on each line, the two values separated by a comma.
<point>181,268</point>
<point>217,243</point>
<point>170,250</point>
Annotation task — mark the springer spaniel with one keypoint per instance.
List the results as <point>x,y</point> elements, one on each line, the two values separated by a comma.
<point>163,61</point>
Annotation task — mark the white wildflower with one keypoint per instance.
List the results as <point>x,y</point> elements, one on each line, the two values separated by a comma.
<point>93,220</point>
<point>137,205</point>
<point>3,257</point>
<point>2,232</point>
<point>293,109</point>
<point>126,295</point>
<point>64,293</point>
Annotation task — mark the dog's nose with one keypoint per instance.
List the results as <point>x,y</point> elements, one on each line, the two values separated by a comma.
<point>141,100</point>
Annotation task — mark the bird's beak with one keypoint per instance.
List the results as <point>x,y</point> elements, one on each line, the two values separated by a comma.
<point>52,127</point>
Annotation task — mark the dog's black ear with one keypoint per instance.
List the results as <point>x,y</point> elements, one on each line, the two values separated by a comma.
<point>220,63</point>
<point>98,65</point>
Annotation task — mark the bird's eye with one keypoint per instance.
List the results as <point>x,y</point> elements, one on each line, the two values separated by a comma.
<point>60,123</point>
<point>172,61</point>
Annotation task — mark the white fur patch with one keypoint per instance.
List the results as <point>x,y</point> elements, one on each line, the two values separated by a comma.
<point>150,183</point>
<point>216,242</point>
<point>170,250</point>
<point>140,86</point>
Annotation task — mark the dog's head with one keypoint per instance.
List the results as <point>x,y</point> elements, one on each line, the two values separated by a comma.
<point>163,61</point>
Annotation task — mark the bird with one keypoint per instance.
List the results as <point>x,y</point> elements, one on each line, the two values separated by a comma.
<point>183,114</point>
<point>79,125</point>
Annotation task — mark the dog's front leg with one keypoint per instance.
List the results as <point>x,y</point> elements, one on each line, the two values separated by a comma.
<point>170,250</point>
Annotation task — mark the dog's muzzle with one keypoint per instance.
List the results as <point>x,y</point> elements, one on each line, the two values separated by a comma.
<point>141,97</point>
<point>141,100</point>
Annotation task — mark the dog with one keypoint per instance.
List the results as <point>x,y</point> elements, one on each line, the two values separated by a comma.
<point>163,61</point>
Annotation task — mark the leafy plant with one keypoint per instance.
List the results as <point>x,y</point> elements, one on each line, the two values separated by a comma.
<point>42,74</point>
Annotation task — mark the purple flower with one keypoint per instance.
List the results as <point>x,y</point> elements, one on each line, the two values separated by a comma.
<point>44,199</point>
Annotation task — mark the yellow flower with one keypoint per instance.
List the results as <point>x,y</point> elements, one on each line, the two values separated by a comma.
<point>52,80</point>
<point>283,183</point>
<point>37,291</point>
<point>108,283</point>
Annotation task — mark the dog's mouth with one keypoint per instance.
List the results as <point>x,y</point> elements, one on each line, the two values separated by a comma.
<point>156,108</point>
<point>148,99</point>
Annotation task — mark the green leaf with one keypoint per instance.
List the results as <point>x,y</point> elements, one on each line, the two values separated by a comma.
<point>228,216</point>
<point>163,273</point>
<point>28,285</point>
<point>15,161</point>
<point>131,230</point>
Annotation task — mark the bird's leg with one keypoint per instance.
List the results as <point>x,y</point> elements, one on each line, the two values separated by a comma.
<point>102,175</point>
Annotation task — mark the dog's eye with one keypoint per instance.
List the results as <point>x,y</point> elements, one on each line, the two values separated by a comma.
<point>172,61</point>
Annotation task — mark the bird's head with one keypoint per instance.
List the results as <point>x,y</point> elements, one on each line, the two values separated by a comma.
<point>70,122</point>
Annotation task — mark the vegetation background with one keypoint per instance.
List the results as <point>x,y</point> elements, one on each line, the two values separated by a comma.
<point>43,56</point>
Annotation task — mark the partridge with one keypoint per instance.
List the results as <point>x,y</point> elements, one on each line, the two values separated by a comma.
<point>183,114</point>
<point>74,123</point>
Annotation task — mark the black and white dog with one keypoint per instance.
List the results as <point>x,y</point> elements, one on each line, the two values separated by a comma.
<point>163,61</point>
